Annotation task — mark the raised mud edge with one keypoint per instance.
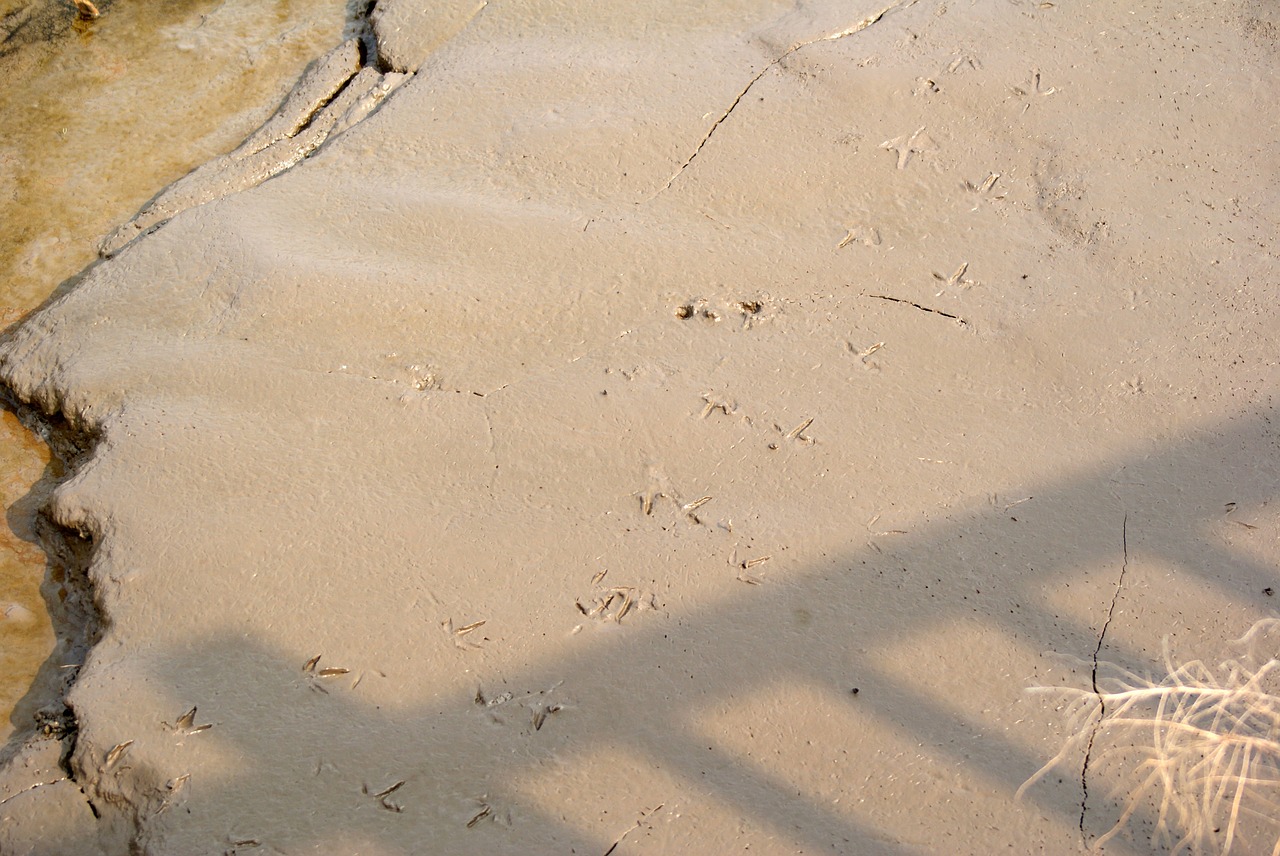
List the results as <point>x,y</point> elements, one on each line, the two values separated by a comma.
<point>68,592</point>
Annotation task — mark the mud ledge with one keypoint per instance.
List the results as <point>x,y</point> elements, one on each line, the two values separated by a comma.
<point>68,592</point>
<point>41,751</point>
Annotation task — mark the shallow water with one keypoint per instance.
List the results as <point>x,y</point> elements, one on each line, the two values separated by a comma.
<point>98,116</point>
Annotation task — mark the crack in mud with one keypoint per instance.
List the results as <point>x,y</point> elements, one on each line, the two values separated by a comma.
<point>1102,704</point>
<point>29,788</point>
<point>830,37</point>
<point>360,28</point>
<point>316,110</point>
<point>922,308</point>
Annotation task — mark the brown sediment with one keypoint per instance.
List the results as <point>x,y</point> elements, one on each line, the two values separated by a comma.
<point>27,635</point>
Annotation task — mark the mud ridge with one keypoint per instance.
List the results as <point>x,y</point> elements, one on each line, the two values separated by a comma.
<point>338,90</point>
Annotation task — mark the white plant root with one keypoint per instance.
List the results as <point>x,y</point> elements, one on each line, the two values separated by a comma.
<point>1205,744</point>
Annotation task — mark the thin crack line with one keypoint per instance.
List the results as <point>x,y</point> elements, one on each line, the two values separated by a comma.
<point>305,122</point>
<point>30,788</point>
<point>1102,704</point>
<point>830,37</point>
<point>919,306</point>
<point>643,817</point>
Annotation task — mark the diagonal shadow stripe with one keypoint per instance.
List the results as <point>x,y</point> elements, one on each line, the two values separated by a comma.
<point>641,702</point>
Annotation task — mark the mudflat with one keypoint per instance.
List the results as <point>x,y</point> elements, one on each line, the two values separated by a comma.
<point>684,428</point>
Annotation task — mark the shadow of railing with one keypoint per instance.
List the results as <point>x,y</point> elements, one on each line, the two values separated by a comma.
<point>471,764</point>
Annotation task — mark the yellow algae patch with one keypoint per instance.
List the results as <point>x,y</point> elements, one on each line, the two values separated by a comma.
<point>26,635</point>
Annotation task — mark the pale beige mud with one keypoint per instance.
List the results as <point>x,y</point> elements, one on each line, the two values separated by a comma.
<point>682,428</point>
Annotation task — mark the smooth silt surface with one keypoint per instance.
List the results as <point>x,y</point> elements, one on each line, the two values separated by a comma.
<point>685,427</point>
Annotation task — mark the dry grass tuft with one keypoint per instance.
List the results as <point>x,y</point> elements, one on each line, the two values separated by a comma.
<point>1205,745</point>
